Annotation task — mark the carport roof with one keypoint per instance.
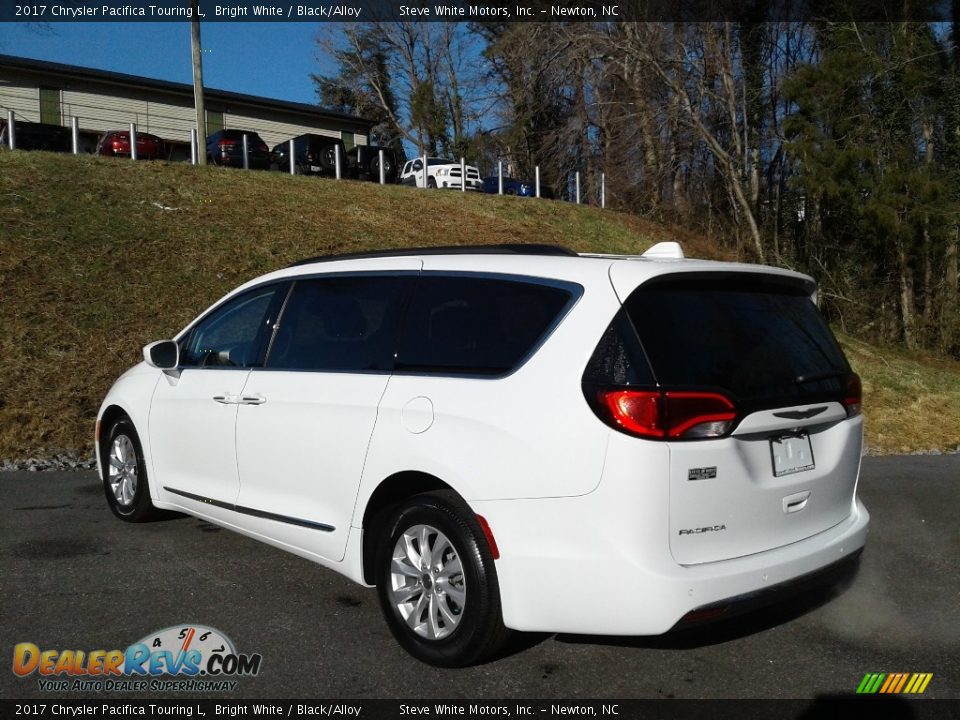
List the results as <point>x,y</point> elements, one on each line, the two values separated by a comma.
<point>74,71</point>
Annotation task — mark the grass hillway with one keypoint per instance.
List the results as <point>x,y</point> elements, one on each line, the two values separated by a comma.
<point>100,256</point>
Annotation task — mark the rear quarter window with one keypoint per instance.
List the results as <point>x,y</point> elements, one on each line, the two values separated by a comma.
<point>481,326</point>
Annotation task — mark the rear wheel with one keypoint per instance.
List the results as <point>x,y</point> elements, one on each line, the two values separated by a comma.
<point>125,475</point>
<point>437,582</point>
<point>375,168</point>
<point>431,183</point>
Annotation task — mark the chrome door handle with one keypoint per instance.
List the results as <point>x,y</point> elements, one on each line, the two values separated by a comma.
<point>252,400</point>
<point>226,399</point>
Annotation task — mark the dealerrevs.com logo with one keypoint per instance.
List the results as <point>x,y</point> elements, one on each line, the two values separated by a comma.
<point>181,658</point>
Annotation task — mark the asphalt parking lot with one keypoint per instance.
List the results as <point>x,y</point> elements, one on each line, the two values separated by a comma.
<point>74,577</point>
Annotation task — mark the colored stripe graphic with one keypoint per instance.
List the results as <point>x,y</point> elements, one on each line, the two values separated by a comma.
<point>894,683</point>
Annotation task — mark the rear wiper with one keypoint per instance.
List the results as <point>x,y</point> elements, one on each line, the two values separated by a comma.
<point>813,377</point>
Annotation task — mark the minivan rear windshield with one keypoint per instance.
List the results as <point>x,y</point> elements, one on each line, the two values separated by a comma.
<point>757,337</point>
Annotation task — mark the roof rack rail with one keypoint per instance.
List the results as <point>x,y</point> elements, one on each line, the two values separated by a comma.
<point>501,249</point>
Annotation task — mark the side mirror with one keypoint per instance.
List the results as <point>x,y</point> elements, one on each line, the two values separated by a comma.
<point>163,354</point>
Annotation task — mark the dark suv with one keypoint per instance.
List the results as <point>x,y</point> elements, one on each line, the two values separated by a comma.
<point>37,136</point>
<point>313,155</point>
<point>364,162</point>
<point>225,147</point>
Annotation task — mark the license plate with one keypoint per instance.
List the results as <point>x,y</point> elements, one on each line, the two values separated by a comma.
<point>315,168</point>
<point>791,454</point>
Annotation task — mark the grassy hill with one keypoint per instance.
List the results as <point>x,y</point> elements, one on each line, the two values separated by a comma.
<point>99,257</point>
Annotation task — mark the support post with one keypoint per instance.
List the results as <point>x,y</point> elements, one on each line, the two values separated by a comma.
<point>603,190</point>
<point>11,130</point>
<point>463,174</point>
<point>133,141</point>
<point>383,173</point>
<point>75,134</point>
<point>246,152</point>
<point>194,147</point>
<point>293,159</point>
<point>500,177</point>
<point>578,186</point>
<point>336,160</point>
<point>537,179</point>
<point>195,49</point>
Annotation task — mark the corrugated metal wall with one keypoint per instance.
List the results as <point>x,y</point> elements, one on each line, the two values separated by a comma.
<point>24,101</point>
<point>272,131</point>
<point>101,107</point>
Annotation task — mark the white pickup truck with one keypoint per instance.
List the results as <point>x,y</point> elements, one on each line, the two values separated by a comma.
<point>441,173</point>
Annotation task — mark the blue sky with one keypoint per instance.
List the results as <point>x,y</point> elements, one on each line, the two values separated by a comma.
<point>267,59</point>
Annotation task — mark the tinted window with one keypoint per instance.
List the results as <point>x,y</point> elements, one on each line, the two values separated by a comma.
<point>235,334</point>
<point>754,337</point>
<point>345,323</point>
<point>618,358</point>
<point>478,326</point>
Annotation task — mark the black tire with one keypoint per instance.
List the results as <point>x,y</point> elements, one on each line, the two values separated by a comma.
<point>479,631</point>
<point>328,158</point>
<point>138,508</point>
<point>510,191</point>
<point>431,183</point>
<point>375,168</point>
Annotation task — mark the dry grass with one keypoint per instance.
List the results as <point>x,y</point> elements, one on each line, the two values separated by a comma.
<point>911,402</point>
<point>93,266</point>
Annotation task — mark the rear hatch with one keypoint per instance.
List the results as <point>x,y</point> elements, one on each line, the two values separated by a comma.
<point>740,375</point>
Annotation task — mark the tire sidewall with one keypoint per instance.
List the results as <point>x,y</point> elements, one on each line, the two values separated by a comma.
<point>141,505</point>
<point>482,602</point>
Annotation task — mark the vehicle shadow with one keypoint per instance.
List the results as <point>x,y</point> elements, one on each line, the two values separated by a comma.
<point>745,619</point>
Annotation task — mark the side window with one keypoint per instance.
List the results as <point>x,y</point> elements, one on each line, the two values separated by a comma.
<point>476,326</point>
<point>340,324</point>
<point>406,168</point>
<point>235,334</point>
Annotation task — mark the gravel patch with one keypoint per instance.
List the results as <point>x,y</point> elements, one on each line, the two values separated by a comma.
<point>52,460</point>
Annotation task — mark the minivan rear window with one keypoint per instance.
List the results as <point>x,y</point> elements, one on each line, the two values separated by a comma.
<point>757,337</point>
<point>464,325</point>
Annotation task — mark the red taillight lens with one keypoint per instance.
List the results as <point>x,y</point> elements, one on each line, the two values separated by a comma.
<point>224,144</point>
<point>853,395</point>
<point>636,411</point>
<point>656,414</point>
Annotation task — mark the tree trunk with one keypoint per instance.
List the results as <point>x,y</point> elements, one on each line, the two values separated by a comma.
<point>907,313</point>
<point>950,318</point>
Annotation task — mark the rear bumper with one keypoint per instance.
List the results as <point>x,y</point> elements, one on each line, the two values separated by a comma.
<point>581,565</point>
<point>838,572</point>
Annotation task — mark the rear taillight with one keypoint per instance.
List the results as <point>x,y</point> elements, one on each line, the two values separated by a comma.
<point>853,395</point>
<point>669,415</point>
<point>225,144</point>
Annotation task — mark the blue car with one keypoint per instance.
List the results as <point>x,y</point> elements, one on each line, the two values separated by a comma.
<point>512,186</point>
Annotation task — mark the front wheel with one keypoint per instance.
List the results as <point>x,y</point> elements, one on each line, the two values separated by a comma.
<point>437,582</point>
<point>125,475</point>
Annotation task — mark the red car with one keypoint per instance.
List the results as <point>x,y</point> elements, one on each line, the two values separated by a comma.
<point>116,143</point>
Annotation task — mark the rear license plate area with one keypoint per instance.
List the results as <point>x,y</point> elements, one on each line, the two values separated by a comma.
<point>791,454</point>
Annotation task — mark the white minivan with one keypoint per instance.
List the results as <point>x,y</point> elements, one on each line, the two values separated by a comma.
<point>510,437</point>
